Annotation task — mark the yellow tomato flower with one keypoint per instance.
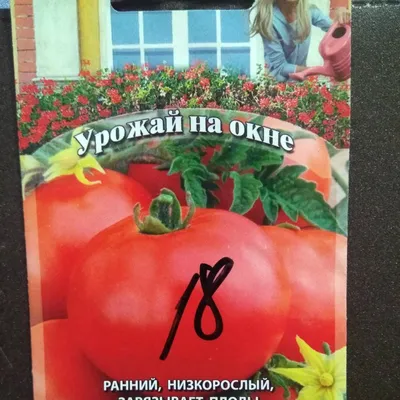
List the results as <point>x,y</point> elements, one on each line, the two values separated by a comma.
<point>67,162</point>
<point>323,377</point>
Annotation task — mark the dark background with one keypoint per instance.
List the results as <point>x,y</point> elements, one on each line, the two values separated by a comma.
<point>374,233</point>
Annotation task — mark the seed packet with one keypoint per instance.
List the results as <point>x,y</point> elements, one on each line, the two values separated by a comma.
<point>184,173</point>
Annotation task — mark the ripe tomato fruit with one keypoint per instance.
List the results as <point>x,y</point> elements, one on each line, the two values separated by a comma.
<point>316,263</point>
<point>60,371</point>
<point>60,218</point>
<point>123,299</point>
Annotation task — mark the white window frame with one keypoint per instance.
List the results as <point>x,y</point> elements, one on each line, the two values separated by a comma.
<point>180,41</point>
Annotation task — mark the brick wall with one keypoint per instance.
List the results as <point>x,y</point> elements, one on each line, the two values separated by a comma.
<point>26,55</point>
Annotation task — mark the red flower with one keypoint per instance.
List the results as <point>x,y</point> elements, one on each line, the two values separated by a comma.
<point>25,118</point>
<point>329,122</point>
<point>347,132</point>
<point>49,83</point>
<point>329,135</point>
<point>129,89</point>
<point>121,111</point>
<point>314,130</point>
<point>67,111</point>
<point>104,83</point>
<point>264,102</point>
<point>119,81</point>
<point>31,100</point>
<point>132,77</point>
<point>83,100</point>
<point>104,113</point>
<point>246,108</point>
<point>290,113</point>
<point>48,91</point>
<point>213,104</point>
<point>83,119</point>
<point>343,109</point>
<point>249,86</point>
<point>146,73</point>
<point>275,115</point>
<point>291,103</point>
<point>50,115</point>
<point>37,133</point>
<point>23,141</point>
<point>326,93</point>
<point>56,126</point>
<point>301,91</point>
<point>328,108</point>
<point>67,89</point>
<point>57,103</point>
<point>114,95</point>
<point>30,89</point>
<point>281,87</point>
<point>205,83</point>
<point>305,118</point>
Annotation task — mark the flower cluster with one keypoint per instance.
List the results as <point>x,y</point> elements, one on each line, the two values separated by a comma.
<point>47,109</point>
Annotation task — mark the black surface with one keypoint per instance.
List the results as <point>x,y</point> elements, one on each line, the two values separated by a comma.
<point>374,235</point>
<point>15,375</point>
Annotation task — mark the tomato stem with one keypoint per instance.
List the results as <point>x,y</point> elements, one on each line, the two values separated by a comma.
<point>165,214</point>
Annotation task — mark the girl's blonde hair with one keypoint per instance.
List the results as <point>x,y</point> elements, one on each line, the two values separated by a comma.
<point>262,23</point>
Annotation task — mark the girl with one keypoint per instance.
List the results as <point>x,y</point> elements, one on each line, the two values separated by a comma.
<point>285,26</point>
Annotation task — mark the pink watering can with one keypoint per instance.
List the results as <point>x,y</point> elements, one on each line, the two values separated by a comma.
<point>335,49</point>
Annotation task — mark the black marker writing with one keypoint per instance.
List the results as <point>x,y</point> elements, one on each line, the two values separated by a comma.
<point>211,279</point>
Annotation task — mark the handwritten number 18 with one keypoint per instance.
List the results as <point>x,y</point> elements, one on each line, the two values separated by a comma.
<point>211,279</point>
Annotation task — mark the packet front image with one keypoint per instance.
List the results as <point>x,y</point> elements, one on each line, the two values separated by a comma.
<point>185,195</point>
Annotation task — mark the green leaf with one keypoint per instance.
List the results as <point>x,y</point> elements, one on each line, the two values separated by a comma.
<point>233,151</point>
<point>204,141</point>
<point>184,162</point>
<point>193,179</point>
<point>270,206</point>
<point>260,156</point>
<point>245,193</point>
<point>299,197</point>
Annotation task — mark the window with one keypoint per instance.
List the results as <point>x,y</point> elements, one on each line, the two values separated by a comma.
<point>142,37</point>
<point>180,38</point>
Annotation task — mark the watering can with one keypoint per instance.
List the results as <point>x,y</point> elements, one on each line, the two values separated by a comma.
<point>335,49</point>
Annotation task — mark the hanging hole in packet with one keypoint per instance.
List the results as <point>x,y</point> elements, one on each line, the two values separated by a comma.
<point>148,5</point>
<point>181,168</point>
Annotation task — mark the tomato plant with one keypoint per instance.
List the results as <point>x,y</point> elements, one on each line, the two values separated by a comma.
<point>311,153</point>
<point>61,216</point>
<point>316,263</point>
<point>60,370</point>
<point>123,296</point>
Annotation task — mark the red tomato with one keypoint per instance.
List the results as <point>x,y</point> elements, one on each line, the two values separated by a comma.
<point>60,218</point>
<point>60,371</point>
<point>123,299</point>
<point>316,262</point>
<point>154,180</point>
